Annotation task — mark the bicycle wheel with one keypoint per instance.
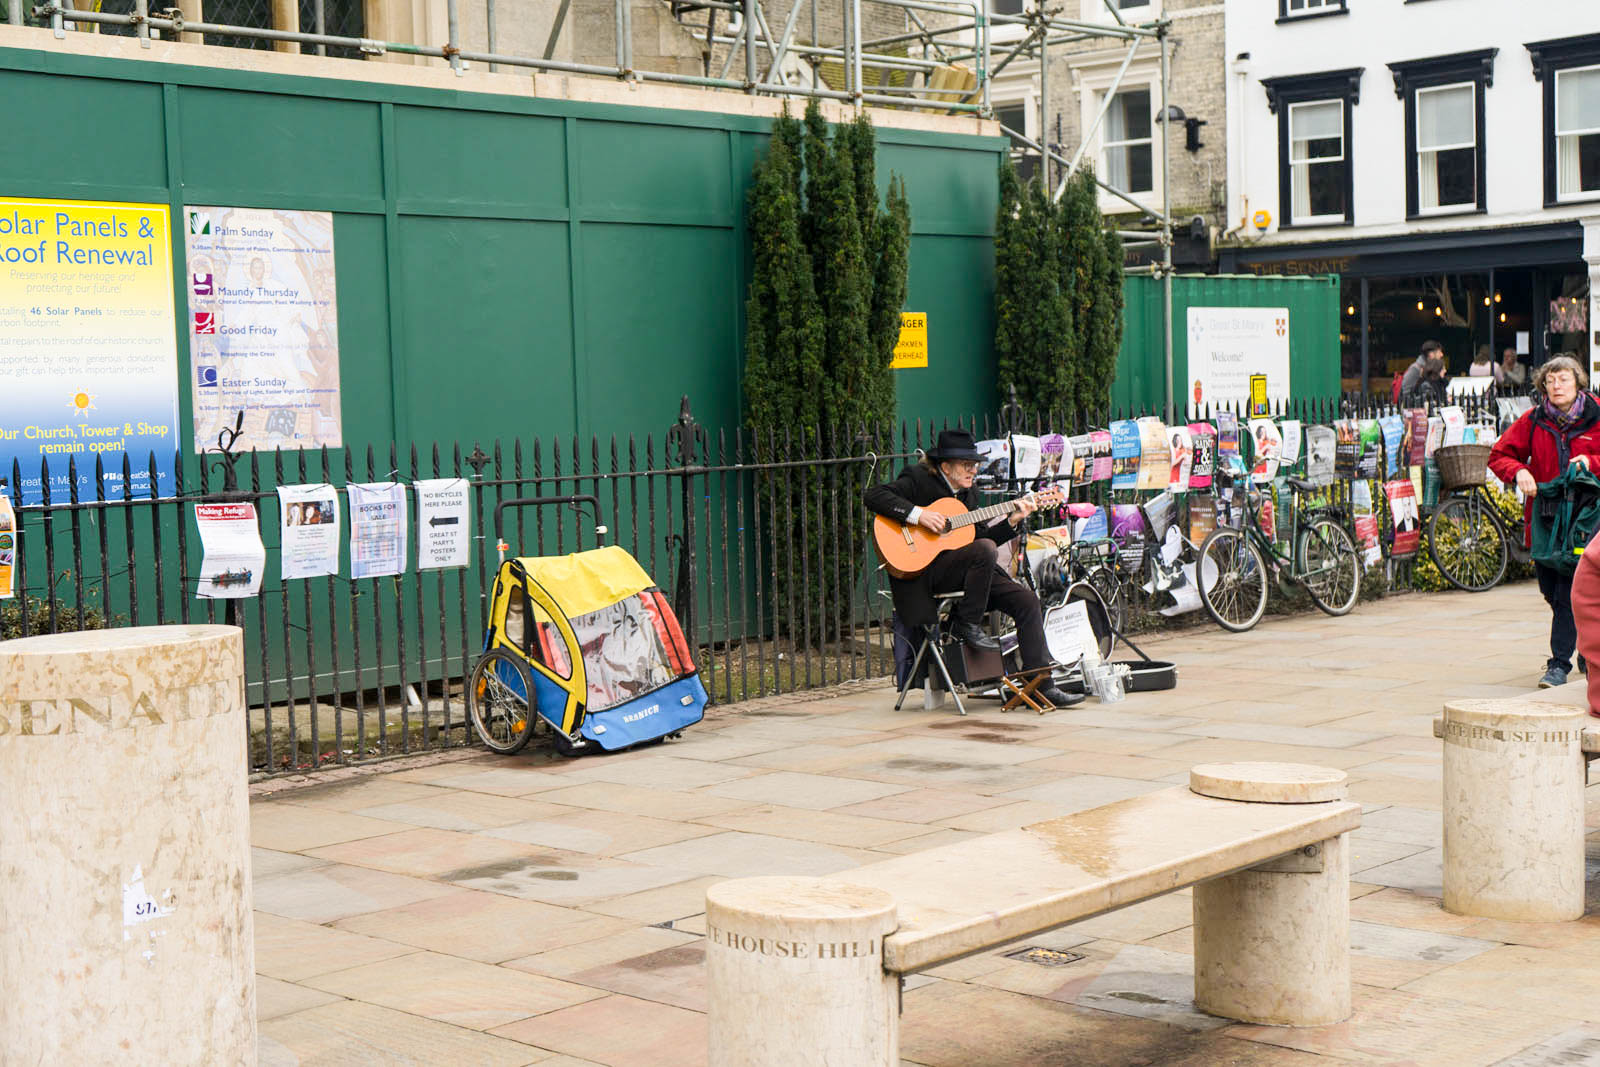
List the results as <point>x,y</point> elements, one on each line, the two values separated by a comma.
<point>497,701</point>
<point>1103,580</point>
<point>1330,569</point>
<point>1233,579</point>
<point>1468,543</point>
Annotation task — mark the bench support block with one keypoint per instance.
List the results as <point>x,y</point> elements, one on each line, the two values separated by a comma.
<point>1513,810</point>
<point>795,974</point>
<point>1272,944</point>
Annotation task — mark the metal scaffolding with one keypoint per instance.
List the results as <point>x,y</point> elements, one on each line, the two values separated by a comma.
<point>951,74</point>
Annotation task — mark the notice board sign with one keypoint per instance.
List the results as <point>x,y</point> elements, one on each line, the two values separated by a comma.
<point>1227,346</point>
<point>911,350</point>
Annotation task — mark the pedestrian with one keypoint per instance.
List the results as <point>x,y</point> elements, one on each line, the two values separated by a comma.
<point>1510,371</point>
<point>1413,375</point>
<point>1562,428</point>
<point>1586,614</point>
<point>1431,390</point>
<point>1482,364</point>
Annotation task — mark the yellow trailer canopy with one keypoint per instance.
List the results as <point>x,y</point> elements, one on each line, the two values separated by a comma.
<point>585,582</point>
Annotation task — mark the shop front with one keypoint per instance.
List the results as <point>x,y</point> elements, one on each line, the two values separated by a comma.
<point>1524,288</point>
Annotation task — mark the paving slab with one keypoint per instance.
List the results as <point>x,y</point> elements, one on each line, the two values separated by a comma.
<point>619,1031</point>
<point>481,926</point>
<point>352,1032</point>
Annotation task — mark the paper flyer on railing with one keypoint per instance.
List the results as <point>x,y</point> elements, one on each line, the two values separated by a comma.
<point>1082,453</point>
<point>308,530</point>
<point>1182,448</point>
<point>1155,455</point>
<point>1100,453</point>
<point>1320,453</point>
<point>1393,428</point>
<point>1455,426</point>
<point>1407,521</point>
<point>1290,430</point>
<point>1124,454</point>
<point>1203,439</point>
<point>8,546</point>
<point>1025,457</point>
<point>444,524</point>
<point>377,529</point>
<point>232,555</point>
<point>1266,448</point>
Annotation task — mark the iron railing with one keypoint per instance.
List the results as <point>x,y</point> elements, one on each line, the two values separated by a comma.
<point>760,542</point>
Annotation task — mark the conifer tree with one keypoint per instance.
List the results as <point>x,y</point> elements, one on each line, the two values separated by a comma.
<point>1033,318</point>
<point>783,332</point>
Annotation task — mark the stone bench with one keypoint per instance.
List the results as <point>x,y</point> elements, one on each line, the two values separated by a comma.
<point>1512,786</point>
<point>807,971</point>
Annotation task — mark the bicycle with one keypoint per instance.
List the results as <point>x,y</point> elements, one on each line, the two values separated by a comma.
<point>1236,562</point>
<point>1468,539</point>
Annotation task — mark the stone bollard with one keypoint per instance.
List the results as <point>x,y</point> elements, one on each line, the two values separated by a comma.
<point>795,973</point>
<point>1513,810</point>
<point>1272,943</point>
<point>125,849</point>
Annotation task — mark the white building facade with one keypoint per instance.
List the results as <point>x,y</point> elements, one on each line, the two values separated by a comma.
<point>1442,156</point>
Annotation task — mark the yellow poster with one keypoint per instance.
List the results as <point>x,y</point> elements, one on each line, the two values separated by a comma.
<point>88,345</point>
<point>8,546</point>
<point>911,350</point>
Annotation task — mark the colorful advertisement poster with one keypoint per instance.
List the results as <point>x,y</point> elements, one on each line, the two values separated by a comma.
<point>8,547</point>
<point>1100,450</point>
<point>1228,345</point>
<point>1348,450</point>
<point>1182,447</point>
<point>1393,429</point>
<point>1227,440</point>
<point>1124,454</point>
<point>1455,426</point>
<point>444,524</point>
<point>1203,440</point>
<point>994,460</point>
<point>1055,460</point>
<point>263,326</point>
<point>1155,455</point>
<point>233,556</point>
<point>1417,421</point>
<point>1082,458</point>
<point>309,534</point>
<point>1368,447</point>
<point>1266,448</point>
<point>1407,519</point>
<point>377,529</point>
<point>88,344</point>
<point>1088,521</point>
<point>1127,522</point>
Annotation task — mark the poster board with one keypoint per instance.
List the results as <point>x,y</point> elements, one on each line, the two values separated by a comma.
<point>263,326</point>
<point>1227,345</point>
<point>89,364</point>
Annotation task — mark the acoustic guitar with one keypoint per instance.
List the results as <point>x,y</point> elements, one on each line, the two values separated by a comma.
<point>907,549</point>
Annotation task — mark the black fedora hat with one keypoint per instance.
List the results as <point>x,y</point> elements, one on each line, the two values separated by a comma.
<point>954,445</point>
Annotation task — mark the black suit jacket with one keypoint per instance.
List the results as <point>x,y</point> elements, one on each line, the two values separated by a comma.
<point>917,486</point>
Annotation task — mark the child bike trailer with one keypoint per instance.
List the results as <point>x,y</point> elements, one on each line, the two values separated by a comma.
<point>590,644</point>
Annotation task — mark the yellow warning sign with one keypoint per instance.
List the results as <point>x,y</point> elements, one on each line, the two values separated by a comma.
<point>911,350</point>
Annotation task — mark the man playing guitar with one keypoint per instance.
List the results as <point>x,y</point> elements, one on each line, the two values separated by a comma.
<point>947,470</point>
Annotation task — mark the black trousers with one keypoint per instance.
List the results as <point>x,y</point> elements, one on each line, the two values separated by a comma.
<point>972,571</point>
<point>1556,587</point>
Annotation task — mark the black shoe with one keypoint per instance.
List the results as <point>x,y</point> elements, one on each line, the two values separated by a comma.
<point>1059,698</point>
<point>969,634</point>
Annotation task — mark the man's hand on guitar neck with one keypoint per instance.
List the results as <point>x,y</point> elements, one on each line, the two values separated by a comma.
<point>1021,509</point>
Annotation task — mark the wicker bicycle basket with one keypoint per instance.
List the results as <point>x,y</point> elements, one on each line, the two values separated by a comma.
<point>1462,466</point>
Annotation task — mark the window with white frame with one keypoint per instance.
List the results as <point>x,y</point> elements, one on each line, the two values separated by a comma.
<point>1014,117</point>
<point>1127,143</point>
<point>1109,11</point>
<point>1318,174</point>
<point>1447,148</point>
<point>1577,132</point>
<point>1291,8</point>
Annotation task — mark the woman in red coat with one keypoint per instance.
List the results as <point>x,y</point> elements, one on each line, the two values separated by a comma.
<point>1562,428</point>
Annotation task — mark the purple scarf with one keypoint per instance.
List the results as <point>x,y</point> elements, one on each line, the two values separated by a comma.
<point>1567,418</point>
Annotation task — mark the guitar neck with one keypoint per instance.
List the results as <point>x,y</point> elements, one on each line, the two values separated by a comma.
<point>993,511</point>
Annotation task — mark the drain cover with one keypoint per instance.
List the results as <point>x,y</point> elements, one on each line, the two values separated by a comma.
<point>1044,957</point>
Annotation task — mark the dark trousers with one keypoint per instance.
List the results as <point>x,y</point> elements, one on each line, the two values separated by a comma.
<point>972,572</point>
<point>1556,587</point>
